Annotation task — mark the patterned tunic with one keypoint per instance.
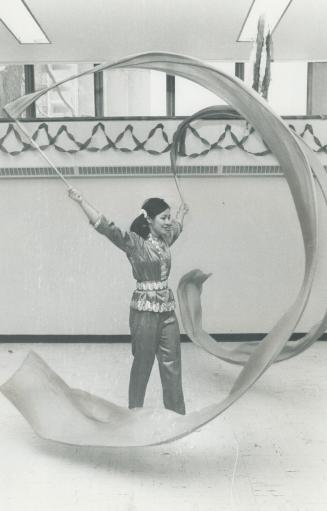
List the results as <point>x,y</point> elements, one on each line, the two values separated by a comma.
<point>151,262</point>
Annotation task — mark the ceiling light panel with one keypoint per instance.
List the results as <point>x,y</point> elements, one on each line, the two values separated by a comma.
<point>272,10</point>
<point>19,20</point>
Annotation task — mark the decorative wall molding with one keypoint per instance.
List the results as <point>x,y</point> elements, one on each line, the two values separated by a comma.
<point>156,142</point>
<point>63,140</point>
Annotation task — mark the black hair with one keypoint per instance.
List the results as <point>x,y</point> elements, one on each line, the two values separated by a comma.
<point>152,207</point>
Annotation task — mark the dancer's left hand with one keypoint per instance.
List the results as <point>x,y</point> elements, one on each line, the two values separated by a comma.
<point>186,208</point>
<point>75,195</point>
<point>183,209</point>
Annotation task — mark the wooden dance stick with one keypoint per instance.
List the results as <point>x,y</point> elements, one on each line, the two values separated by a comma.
<point>42,153</point>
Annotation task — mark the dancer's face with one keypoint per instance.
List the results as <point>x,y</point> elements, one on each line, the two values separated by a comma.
<point>160,224</point>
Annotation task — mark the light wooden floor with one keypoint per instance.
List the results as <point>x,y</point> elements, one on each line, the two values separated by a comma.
<point>279,428</point>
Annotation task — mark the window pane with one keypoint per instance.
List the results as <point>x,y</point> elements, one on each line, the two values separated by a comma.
<point>12,84</point>
<point>134,92</point>
<point>191,97</point>
<point>74,98</point>
<point>288,88</point>
<point>287,93</point>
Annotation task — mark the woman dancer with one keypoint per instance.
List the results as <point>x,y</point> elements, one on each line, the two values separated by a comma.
<point>153,323</point>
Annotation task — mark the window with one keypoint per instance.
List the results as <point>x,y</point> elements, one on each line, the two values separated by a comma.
<point>287,93</point>
<point>134,92</point>
<point>191,97</point>
<point>138,92</point>
<point>72,99</point>
<point>12,84</point>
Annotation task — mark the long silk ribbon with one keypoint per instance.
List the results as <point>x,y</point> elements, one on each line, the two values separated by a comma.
<point>60,413</point>
<point>190,286</point>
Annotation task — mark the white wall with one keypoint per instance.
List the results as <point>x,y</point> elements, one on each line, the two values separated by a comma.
<point>58,276</point>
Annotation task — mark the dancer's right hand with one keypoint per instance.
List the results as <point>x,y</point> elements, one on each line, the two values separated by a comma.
<point>75,195</point>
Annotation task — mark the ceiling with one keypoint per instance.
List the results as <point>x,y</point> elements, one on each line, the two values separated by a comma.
<point>101,30</point>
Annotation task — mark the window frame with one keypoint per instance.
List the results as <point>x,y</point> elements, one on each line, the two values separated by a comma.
<point>98,95</point>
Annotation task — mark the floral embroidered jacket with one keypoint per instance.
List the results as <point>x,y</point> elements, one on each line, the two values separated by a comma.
<point>151,262</point>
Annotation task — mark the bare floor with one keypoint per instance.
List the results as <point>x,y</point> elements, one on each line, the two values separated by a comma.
<point>274,438</point>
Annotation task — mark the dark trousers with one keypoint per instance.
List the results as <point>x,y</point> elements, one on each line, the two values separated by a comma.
<point>153,335</point>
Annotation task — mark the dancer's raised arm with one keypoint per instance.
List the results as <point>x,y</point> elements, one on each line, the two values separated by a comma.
<point>92,213</point>
<point>177,223</point>
<point>124,240</point>
<point>181,212</point>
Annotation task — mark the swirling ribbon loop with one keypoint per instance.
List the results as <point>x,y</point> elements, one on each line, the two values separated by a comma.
<point>88,420</point>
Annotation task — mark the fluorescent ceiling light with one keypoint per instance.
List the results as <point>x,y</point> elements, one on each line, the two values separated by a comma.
<point>272,10</point>
<point>19,20</point>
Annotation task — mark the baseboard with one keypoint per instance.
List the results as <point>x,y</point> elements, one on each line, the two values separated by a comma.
<point>235,337</point>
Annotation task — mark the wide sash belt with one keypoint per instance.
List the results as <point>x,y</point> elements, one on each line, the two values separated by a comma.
<point>151,285</point>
